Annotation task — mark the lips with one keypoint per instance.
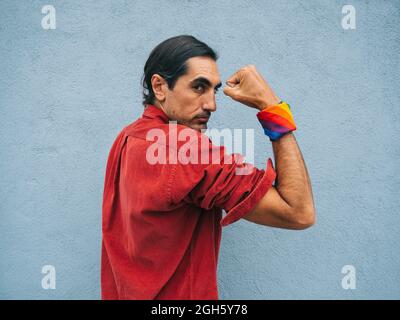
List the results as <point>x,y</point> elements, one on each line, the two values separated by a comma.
<point>203,119</point>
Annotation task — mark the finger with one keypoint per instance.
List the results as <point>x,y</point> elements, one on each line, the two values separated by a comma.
<point>233,80</point>
<point>229,91</point>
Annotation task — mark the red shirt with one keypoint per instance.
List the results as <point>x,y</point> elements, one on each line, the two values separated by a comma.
<point>162,223</point>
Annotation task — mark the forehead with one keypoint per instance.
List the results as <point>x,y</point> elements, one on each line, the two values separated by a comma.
<point>202,67</point>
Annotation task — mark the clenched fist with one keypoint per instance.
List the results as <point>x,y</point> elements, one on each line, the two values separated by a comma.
<point>248,87</point>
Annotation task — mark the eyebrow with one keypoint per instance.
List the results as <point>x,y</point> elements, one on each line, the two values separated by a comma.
<point>206,82</point>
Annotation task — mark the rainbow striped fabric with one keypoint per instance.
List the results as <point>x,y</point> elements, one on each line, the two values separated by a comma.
<point>276,120</point>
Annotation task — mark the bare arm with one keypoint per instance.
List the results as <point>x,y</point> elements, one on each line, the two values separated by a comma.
<point>289,204</point>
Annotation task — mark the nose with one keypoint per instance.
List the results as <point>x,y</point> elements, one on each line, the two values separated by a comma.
<point>210,105</point>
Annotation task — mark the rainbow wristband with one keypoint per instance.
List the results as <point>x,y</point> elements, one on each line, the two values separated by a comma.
<point>276,120</point>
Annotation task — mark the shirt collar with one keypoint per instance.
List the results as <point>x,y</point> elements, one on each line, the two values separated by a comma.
<point>152,112</point>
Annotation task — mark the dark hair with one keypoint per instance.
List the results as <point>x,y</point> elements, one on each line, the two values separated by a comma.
<point>168,59</point>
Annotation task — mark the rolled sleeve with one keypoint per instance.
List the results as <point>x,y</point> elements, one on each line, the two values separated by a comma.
<point>222,185</point>
<point>257,191</point>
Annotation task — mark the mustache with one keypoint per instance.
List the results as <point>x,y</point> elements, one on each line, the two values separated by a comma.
<point>204,115</point>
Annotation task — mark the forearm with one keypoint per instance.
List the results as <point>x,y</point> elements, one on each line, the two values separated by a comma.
<point>292,179</point>
<point>288,204</point>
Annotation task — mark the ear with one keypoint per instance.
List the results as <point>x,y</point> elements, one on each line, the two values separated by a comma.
<point>160,86</point>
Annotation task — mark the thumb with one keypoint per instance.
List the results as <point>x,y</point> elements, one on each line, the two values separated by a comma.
<point>234,79</point>
<point>230,90</point>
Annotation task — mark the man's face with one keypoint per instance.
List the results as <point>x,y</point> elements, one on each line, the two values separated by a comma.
<point>193,98</point>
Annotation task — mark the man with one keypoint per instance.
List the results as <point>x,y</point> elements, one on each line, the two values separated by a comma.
<point>162,221</point>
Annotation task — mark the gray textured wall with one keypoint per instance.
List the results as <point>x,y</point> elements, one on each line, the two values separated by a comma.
<point>66,93</point>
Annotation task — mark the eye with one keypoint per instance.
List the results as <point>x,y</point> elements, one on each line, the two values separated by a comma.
<point>199,86</point>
